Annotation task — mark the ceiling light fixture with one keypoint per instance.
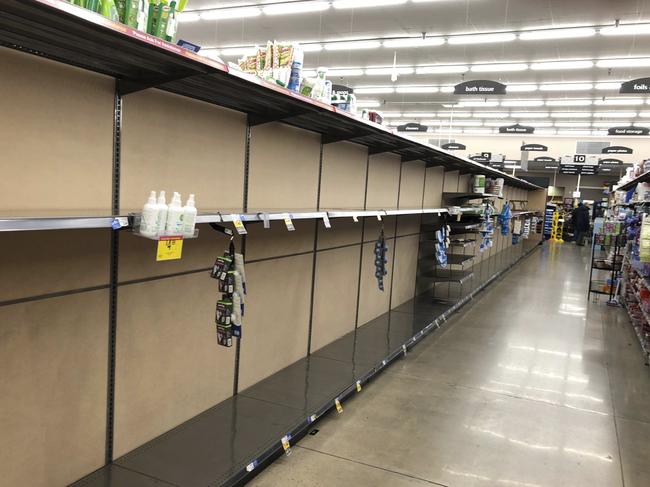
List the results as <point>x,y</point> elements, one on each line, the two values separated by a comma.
<point>571,115</point>
<point>344,45</point>
<point>623,63</point>
<point>522,103</point>
<point>644,114</point>
<point>490,114</point>
<point>615,114</point>
<point>447,89</point>
<point>607,86</point>
<point>295,8</point>
<point>450,69</point>
<point>568,103</point>
<point>469,104</point>
<point>370,90</point>
<point>189,16</point>
<point>520,88</point>
<point>368,104</point>
<point>626,30</point>
<point>238,51</point>
<point>557,33</point>
<point>345,72</point>
<point>553,65</point>
<point>481,38</point>
<point>414,42</point>
<point>391,114</point>
<point>566,87</point>
<point>417,89</point>
<point>418,115</point>
<point>619,101</point>
<point>459,114</point>
<point>574,132</point>
<point>529,114</point>
<point>389,71</point>
<point>612,123</point>
<point>466,123</point>
<point>231,13</point>
<point>478,131</point>
<point>494,68</point>
<point>573,124</point>
<point>345,4</point>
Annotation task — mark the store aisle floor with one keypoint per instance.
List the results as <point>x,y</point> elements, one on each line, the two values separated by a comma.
<point>529,386</point>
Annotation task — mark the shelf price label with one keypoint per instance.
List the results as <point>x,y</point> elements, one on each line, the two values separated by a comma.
<point>239,225</point>
<point>326,221</point>
<point>358,386</point>
<point>286,445</point>
<point>288,222</point>
<point>339,408</point>
<point>169,248</point>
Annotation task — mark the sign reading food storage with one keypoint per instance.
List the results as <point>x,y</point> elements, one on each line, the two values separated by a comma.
<point>611,162</point>
<point>616,149</point>
<point>629,131</point>
<point>480,87</point>
<point>454,146</point>
<point>640,85</point>
<point>534,148</point>
<point>516,129</point>
<point>412,127</point>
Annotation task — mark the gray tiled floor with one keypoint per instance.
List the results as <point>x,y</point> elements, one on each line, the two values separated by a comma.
<point>529,386</point>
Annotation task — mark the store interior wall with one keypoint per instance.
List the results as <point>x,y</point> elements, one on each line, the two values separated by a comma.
<point>54,306</point>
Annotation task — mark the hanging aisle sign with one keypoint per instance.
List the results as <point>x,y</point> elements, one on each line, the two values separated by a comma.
<point>544,159</point>
<point>480,87</point>
<point>534,148</point>
<point>639,85</point>
<point>453,146</point>
<point>479,158</point>
<point>516,129</point>
<point>629,131</point>
<point>616,149</point>
<point>611,162</point>
<point>412,127</point>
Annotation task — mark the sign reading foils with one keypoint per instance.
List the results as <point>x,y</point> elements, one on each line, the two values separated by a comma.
<point>516,129</point>
<point>629,131</point>
<point>480,87</point>
<point>640,85</point>
<point>412,127</point>
<point>544,159</point>
<point>616,149</point>
<point>454,146</point>
<point>611,162</point>
<point>534,148</point>
<point>479,158</point>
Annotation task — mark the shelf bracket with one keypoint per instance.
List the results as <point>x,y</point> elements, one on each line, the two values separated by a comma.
<point>126,86</point>
<point>382,149</point>
<point>331,139</point>
<point>221,229</point>
<point>254,119</point>
<point>413,158</point>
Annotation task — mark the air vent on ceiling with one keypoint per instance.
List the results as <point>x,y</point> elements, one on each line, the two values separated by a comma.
<point>590,147</point>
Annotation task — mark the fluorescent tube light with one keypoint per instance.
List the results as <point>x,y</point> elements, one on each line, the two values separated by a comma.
<point>571,115</point>
<point>574,132</point>
<point>535,123</point>
<point>389,71</point>
<point>615,114</point>
<point>371,91</point>
<point>295,8</point>
<point>368,104</point>
<point>619,101</point>
<point>573,124</point>
<point>418,115</point>
<point>553,65</point>
<point>447,89</point>
<point>490,114</point>
<point>189,16</point>
<point>611,123</point>
<point>566,87</point>
<point>414,42</point>
<point>311,47</point>
<point>608,86</point>
<point>568,103</point>
<point>545,132</point>
<point>520,88</point>
<point>230,13</point>
<point>309,73</point>
<point>500,123</point>
<point>529,114</point>
<point>478,131</point>
<point>465,104</point>
<point>460,114</point>
<point>644,114</point>
<point>626,30</point>
<point>451,69</point>
<point>557,33</point>
<point>417,89</point>
<point>345,45</point>
<point>391,114</point>
<point>345,72</point>
<point>238,51</point>
<point>343,4</point>
<point>494,68</point>
<point>522,103</point>
<point>624,63</point>
<point>466,123</point>
<point>481,38</point>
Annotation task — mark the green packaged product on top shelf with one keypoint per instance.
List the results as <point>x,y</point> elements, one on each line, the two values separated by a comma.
<point>121,7</point>
<point>93,5</point>
<point>109,10</point>
<point>161,21</point>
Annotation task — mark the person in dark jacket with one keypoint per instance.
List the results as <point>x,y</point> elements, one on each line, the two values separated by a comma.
<point>581,224</point>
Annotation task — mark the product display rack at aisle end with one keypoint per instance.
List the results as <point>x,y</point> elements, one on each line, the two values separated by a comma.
<point>600,242</point>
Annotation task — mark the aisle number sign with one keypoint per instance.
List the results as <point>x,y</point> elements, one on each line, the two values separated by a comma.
<point>170,248</point>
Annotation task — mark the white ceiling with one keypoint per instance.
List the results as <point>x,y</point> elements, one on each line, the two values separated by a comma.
<point>449,18</point>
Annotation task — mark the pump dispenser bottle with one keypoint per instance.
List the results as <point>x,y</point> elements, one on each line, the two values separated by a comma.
<point>175,216</point>
<point>189,217</point>
<point>149,220</point>
<point>162,213</point>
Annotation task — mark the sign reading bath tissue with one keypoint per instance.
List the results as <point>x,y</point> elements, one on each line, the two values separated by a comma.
<point>639,85</point>
<point>453,146</point>
<point>534,148</point>
<point>629,131</point>
<point>516,129</point>
<point>616,149</point>
<point>480,87</point>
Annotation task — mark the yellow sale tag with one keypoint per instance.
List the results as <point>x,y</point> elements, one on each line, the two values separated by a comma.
<point>358,386</point>
<point>339,408</point>
<point>169,248</point>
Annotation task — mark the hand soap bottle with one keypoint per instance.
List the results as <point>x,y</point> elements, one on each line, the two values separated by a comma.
<point>162,213</point>
<point>189,217</point>
<point>149,220</point>
<point>175,216</point>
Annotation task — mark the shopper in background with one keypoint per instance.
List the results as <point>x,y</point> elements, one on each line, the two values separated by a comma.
<point>581,223</point>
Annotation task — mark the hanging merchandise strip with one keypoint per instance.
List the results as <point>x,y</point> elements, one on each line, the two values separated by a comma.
<point>380,259</point>
<point>229,271</point>
<point>487,228</point>
<point>442,243</point>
